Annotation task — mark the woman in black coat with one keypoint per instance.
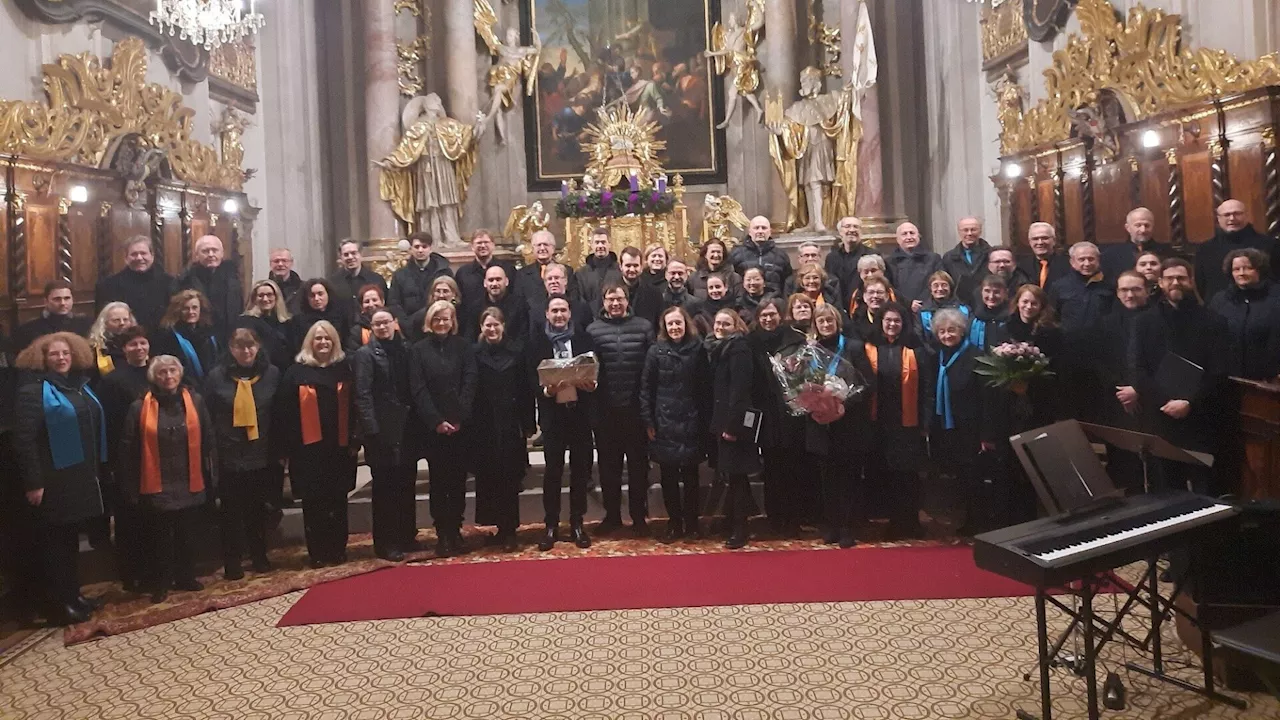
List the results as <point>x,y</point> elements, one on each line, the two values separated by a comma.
<point>267,315</point>
<point>733,418</point>
<point>990,315</point>
<point>168,455</point>
<point>673,407</point>
<point>442,377</point>
<point>240,394</point>
<point>371,299</point>
<point>897,449</point>
<point>839,443</point>
<point>787,468</point>
<point>503,417</point>
<point>391,430</point>
<point>718,298</point>
<point>751,295</point>
<point>1251,309</point>
<point>60,440</point>
<point>318,435</point>
<point>186,332</point>
<point>319,300</point>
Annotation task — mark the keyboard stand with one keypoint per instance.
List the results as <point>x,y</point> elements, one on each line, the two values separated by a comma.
<point>1097,632</point>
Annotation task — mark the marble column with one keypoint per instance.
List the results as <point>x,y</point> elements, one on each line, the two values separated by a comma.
<point>870,200</point>
<point>381,107</point>
<point>463,101</point>
<point>781,77</point>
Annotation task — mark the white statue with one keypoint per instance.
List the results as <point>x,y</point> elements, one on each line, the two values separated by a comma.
<point>513,62</point>
<point>733,47</point>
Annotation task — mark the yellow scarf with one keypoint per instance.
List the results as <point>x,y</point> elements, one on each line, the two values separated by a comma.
<point>244,411</point>
<point>106,365</point>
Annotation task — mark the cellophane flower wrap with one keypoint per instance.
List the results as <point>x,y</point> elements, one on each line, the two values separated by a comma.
<point>815,380</point>
<point>1013,365</point>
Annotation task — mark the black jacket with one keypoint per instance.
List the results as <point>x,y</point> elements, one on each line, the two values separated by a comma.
<point>961,269</point>
<point>1210,279</point>
<point>697,282</point>
<point>747,305</point>
<point>1048,402</point>
<point>117,391</point>
<point>1080,304</point>
<point>276,337</point>
<point>175,470</point>
<point>72,494</point>
<point>842,267</point>
<point>986,325</point>
<point>970,291</point>
<point>46,324</point>
<point>976,409</point>
<point>515,311</point>
<point>540,348</point>
<point>442,377</point>
<point>1121,256</point>
<point>901,447</point>
<point>848,436</point>
<point>201,337</point>
<point>673,400</point>
<point>326,466</point>
<point>592,276</point>
<point>470,279</point>
<point>384,401</point>
<point>528,283</point>
<point>222,286</point>
<point>1111,364</point>
<point>1191,331</point>
<point>300,324</point>
<point>909,272</point>
<point>644,301</point>
<point>236,452</point>
<point>1059,266</point>
<point>685,298</point>
<point>772,261</point>
<point>733,372</point>
<point>411,284</point>
<point>1252,319</point>
<point>502,411</point>
<point>147,293</point>
<point>290,287</point>
<point>620,346</point>
<point>348,288</point>
<point>776,424</point>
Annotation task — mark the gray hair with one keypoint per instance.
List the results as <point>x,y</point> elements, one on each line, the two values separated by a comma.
<point>1053,232</point>
<point>950,317</point>
<point>162,361</point>
<point>1082,245</point>
<point>555,266</point>
<point>867,261</point>
<point>138,240</point>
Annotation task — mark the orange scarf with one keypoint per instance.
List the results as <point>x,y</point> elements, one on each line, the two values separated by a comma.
<point>309,407</point>
<point>365,334</point>
<point>151,481</point>
<point>910,384</point>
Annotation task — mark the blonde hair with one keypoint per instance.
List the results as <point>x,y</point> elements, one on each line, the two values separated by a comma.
<point>436,308</point>
<point>448,282</point>
<point>825,311</point>
<point>251,307</point>
<point>32,358</point>
<point>98,332</point>
<point>306,357</point>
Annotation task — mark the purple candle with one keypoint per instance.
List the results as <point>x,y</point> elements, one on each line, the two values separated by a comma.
<point>606,197</point>
<point>564,188</point>
<point>662,184</point>
<point>635,182</point>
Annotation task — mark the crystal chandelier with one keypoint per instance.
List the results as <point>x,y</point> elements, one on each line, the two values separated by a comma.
<point>208,23</point>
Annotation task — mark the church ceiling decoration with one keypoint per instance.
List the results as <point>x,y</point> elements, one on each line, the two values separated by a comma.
<point>90,107</point>
<point>1140,59</point>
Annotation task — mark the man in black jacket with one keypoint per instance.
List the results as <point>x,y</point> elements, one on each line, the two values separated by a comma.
<point>411,284</point>
<point>1118,257</point>
<point>283,276</point>
<point>643,299</point>
<point>1118,406</point>
<point>910,267</point>
<point>219,279</point>
<point>841,263</point>
<point>759,250</point>
<point>621,341</point>
<point>1046,263</point>
<point>564,416</point>
<point>601,267</point>
<point>555,282</point>
<point>676,293</point>
<point>141,285</point>
<point>350,277</point>
<point>1234,232</point>
<point>497,293</point>
<point>471,276</point>
<point>58,316</point>
<point>969,257</point>
<point>530,280</point>
<point>1081,299</point>
<point>1179,328</point>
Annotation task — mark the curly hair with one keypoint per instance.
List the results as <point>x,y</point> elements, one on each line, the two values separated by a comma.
<point>173,313</point>
<point>32,358</point>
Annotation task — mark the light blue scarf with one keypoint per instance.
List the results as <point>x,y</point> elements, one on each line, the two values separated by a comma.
<point>65,443</point>
<point>189,351</point>
<point>943,406</point>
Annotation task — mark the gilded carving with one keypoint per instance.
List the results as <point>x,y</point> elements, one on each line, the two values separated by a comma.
<point>237,63</point>
<point>621,144</point>
<point>1140,60</point>
<point>89,107</point>
<point>411,54</point>
<point>720,215</point>
<point>1003,32</point>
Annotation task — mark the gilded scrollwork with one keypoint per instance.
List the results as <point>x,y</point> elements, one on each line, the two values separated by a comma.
<point>88,107</point>
<point>1141,60</point>
<point>410,55</point>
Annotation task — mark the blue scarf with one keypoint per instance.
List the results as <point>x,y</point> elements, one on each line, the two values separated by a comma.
<point>192,356</point>
<point>943,407</point>
<point>968,256</point>
<point>63,426</point>
<point>978,333</point>
<point>835,361</point>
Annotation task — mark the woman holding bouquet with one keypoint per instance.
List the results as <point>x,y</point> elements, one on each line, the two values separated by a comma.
<point>786,464</point>
<point>1033,322</point>
<point>837,434</point>
<point>897,407</point>
<point>736,453</point>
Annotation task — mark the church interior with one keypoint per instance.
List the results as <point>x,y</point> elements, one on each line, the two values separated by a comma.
<point>304,128</point>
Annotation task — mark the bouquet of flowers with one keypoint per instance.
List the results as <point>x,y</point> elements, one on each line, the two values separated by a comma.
<point>816,381</point>
<point>1013,365</point>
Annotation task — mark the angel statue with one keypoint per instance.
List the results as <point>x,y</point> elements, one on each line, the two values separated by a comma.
<point>427,177</point>
<point>513,62</point>
<point>733,47</point>
<point>719,216</point>
<point>525,220</point>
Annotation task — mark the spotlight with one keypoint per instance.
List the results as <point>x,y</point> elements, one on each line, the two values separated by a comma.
<point>1150,139</point>
<point>231,206</point>
<point>1012,170</point>
<point>79,194</point>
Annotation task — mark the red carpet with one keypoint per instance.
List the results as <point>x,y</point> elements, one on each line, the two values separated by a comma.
<point>619,583</point>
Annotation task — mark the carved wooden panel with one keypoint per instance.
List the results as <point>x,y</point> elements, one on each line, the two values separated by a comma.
<point>42,228</point>
<point>1243,162</point>
<point>1044,201</point>
<point>1197,194</point>
<point>1073,207</point>
<point>1112,201</point>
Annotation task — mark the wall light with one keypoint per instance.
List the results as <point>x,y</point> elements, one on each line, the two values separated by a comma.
<point>79,194</point>
<point>1150,139</point>
<point>231,206</point>
<point>1012,170</point>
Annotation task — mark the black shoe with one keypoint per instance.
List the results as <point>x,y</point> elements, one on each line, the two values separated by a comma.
<point>393,555</point>
<point>159,596</point>
<point>549,539</point>
<point>830,536</point>
<point>736,540</point>
<point>261,565</point>
<point>579,537</point>
<point>609,525</point>
<point>493,540</point>
<point>71,614</point>
<point>692,529</point>
<point>444,547</point>
<point>190,585</point>
<point>233,573</point>
<point>460,546</point>
<point>846,539</point>
<point>675,531</point>
<point>414,546</point>
<point>510,542</point>
<point>131,586</point>
<point>88,603</point>
<point>640,528</point>
<point>316,563</point>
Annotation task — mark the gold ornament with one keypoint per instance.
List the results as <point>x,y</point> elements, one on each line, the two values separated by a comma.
<point>620,145</point>
<point>719,216</point>
<point>237,63</point>
<point>90,107</point>
<point>1004,32</point>
<point>1142,61</point>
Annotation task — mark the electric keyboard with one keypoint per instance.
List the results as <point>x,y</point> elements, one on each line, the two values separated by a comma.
<point>1053,551</point>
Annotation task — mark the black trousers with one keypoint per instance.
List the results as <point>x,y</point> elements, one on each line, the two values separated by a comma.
<point>275,485</point>
<point>836,488</point>
<point>130,542</point>
<point>620,434</point>
<point>447,462</point>
<point>738,503</point>
<point>681,507</point>
<point>59,554</point>
<point>170,542</point>
<point>787,475</point>
<point>566,429</point>
<point>324,522</point>
<point>395,521</point>
<point>893,493</point>
<point>244,496</point>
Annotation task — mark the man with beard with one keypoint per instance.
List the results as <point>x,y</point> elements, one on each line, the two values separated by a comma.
<point>283,276</point>
<point>601,267</point>
<point>676,293</point>
<point>350,277</point>
<point>966,262</point>
<point>411,284</point>
<point>1118,405</point>
<point>141,285</point>
<point>1046,263</point>
<point>219,280</point>
<point>841,262</point>
<point>58,316</point>
<point>1234,232</point>
<point>471,277</point>
<point>643,299</point>
<point>1179,325</point>
<point>759,250</point>
<point>1119,257</point>
<point>910,267</point>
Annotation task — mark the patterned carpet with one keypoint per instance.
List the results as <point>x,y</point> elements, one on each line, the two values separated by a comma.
<point>906,659</point>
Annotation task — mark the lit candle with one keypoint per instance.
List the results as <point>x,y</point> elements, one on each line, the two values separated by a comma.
<point>662,183</point>
<point>564,188</point>
<point>635,181</point>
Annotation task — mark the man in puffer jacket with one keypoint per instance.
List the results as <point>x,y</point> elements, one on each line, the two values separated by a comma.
<point>621,342</point>
<point>758,250</point>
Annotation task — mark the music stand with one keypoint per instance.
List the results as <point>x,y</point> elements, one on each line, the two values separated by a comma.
<point>1145,447</point>
<point>1065,471</point>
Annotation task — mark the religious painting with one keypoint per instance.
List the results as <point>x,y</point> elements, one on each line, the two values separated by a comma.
<point>647,54</point>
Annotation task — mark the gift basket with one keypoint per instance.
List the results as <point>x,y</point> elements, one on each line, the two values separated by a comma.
<point>571,374</point>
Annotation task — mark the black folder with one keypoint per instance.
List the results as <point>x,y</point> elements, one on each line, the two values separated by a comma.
<point>1178,377</point>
